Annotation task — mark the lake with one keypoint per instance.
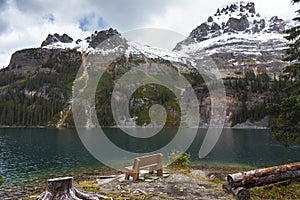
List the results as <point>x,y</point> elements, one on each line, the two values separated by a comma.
<point>34,155</point>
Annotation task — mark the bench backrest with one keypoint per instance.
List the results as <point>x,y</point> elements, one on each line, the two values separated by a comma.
<point>148,160</point>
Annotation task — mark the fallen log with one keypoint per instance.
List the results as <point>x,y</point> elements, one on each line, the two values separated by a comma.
<point>240,192</point>
<point>63,189</point>
<point>264,176</point>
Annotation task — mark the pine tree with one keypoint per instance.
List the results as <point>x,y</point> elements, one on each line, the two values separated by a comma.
<point>285,116</point>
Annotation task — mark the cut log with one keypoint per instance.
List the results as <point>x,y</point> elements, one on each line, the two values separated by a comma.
<point>264,176</point>
<point>63,189</point>
<point>241,193</point>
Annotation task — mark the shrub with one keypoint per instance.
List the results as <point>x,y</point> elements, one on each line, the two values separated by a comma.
<point>179,160</point>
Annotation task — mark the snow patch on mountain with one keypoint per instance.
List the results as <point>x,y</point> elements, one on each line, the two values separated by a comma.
<point>238,38</point>
<point>154,53</point>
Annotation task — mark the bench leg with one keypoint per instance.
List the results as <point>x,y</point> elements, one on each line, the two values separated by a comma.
<point>135,176</point>
<point>151,170</point>
<point>126,176</point>
<point>160,172</point>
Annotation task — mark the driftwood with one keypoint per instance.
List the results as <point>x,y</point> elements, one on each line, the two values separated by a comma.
<point>63,189</point>
<point>239,183</point>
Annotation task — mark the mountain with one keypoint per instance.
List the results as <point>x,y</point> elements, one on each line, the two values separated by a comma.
<point>36,87</point>
<point>39,79</point>
<point>248,50</point>
<point>239,39</point>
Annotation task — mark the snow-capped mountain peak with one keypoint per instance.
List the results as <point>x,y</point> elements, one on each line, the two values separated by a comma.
<point>238,38</point>
<point>236,10</point>
<point>234,19</point>
<point>56,38</point>
<point>88,44</point>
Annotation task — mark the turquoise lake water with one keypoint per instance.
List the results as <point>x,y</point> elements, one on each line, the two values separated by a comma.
<point>34,155</point>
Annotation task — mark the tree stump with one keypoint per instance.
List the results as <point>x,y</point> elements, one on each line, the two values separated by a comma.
<point>63,189</point>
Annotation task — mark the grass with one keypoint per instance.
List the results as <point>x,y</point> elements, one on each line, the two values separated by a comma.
<point>89,186</point>
<point>217,180</point>
<point>283,190</point>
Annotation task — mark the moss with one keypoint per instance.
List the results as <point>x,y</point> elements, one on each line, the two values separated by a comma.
<point>89,186</point>
<point>2,180</point>
<point>217,180</point>
<point>283,190</point>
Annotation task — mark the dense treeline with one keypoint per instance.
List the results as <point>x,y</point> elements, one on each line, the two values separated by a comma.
<point>261,85</point>
<point>36,99</point>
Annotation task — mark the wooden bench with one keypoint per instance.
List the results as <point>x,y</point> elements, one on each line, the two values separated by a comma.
<point>152,162</point>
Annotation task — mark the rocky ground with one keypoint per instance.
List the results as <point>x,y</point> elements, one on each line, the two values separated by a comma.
<point>197,182</point>
<point>175,185</point>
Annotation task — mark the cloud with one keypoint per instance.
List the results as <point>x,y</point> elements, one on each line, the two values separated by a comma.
<point>4,26</point>
<point>49,18</point>
<point>26,23</point>
<point>91,22</point>
<point>131,14</point>
<point>3,5</point>
<point>29,6</point>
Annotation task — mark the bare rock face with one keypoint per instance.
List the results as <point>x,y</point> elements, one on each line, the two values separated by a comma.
<point>205,31</point>
<point>276,25</point>
<point>57,38</point>
<point>234,24</point>
<point>101,36</point>
<point>258,26</point>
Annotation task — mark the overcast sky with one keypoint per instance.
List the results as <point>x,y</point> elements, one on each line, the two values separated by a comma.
<point>26,23</point>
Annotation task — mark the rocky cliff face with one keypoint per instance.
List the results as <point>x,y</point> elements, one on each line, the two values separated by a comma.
<point>40,60</point>
<point>239,39</point>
